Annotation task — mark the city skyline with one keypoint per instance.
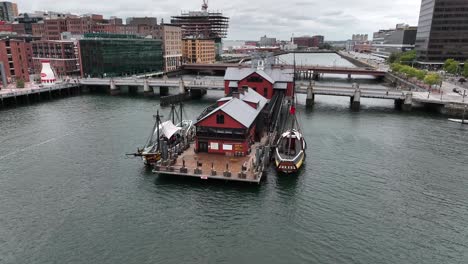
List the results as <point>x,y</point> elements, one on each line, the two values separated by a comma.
<point>279,19</point>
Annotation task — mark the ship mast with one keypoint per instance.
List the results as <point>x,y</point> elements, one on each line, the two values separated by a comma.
<point>158,120</point>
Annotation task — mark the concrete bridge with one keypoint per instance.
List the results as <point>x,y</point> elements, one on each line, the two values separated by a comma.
<point>403,99</point>
<point>303,71</point>
<point>149,85</point>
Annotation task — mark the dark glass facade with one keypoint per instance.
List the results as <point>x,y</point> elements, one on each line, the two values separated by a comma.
<point>119,55</point>
<point>442,30</point>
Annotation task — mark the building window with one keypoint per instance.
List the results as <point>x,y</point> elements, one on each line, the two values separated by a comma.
<point>265,92</point>
<point>255,79</point>
<point>220,119</point>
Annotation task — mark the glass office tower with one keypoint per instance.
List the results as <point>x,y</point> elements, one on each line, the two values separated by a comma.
<point>442,31</point>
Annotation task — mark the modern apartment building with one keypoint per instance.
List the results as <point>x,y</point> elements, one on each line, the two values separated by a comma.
<point>442,31</point>
<point>199,50</point>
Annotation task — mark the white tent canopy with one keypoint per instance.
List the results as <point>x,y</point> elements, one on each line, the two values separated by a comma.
<point>168,129</point>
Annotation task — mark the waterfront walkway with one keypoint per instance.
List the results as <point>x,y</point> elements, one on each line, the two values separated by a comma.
<point>32,89</point>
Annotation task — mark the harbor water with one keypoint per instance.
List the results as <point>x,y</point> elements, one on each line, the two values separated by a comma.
<point>378,186</point>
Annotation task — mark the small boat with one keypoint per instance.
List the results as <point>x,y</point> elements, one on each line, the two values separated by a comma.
<point>461,121</point>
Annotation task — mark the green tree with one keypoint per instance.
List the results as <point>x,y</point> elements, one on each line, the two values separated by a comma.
<point>432,78</point>
<point>394,58</point>
<point>19,83</point>
<point>451,66</point>
<point>465,69</point>
<point>408,56</point>
<point>421,75</point>
<point>396,67</point>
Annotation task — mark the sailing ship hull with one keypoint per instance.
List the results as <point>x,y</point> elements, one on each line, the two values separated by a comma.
<point>290,152</point>
<point>151,159</point>
<point>289,167</point>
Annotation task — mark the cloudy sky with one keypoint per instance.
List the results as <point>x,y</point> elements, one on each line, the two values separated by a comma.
<point>250,19</point>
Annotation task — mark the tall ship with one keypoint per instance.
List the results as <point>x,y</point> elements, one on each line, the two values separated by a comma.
<point>291,145</point>
<point>290,148</point>
<point>174,132</point>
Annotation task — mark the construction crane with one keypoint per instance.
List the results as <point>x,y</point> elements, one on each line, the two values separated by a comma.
<point>205,5</point>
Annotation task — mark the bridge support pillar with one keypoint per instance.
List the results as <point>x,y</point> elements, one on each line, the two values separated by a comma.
<point>356,98</point>
<point>133,90</point>
<point>181,86</point>
<point>408,102</point>
<point>114,89</point>
<point>147,90</point>
<point>316,76</point>
<point>398,104</point>
<point>163,91</point>
<point>349,76</point>
<point>310,96</point>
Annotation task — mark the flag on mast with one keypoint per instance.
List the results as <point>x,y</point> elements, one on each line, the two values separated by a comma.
<point>292,110</point>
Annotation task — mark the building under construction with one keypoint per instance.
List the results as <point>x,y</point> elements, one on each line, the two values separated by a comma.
<point>203,24</point>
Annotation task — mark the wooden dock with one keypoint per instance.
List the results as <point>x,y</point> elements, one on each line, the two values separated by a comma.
<point>219,167</point>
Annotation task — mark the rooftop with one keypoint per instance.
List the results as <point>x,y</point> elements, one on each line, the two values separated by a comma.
<point>237,109</point>
<point>272,75</point>
<point>250,96</point>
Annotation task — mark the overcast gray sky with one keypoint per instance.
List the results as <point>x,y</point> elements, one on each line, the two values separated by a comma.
<point>250,19</point>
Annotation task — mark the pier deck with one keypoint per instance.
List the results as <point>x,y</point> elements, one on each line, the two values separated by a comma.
<point>213,166</point>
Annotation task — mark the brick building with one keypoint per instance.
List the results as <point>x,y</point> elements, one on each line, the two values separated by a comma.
<point>171,37</point>
<point>79,25</point>
<point>264,80</point>
<point>38,29</point>
<point>53,28</point>
<point>63,56</point>
<point>198,50</point>
<point>232,126</point>
<point>15,54</point>
<point>308,42</point>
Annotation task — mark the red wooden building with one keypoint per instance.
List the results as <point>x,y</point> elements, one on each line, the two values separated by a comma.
<point>230,126</point>
<point>264,81</point>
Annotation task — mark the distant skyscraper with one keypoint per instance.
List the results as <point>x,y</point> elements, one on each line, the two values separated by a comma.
<point>442,30</point>
<point>7,11</point>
